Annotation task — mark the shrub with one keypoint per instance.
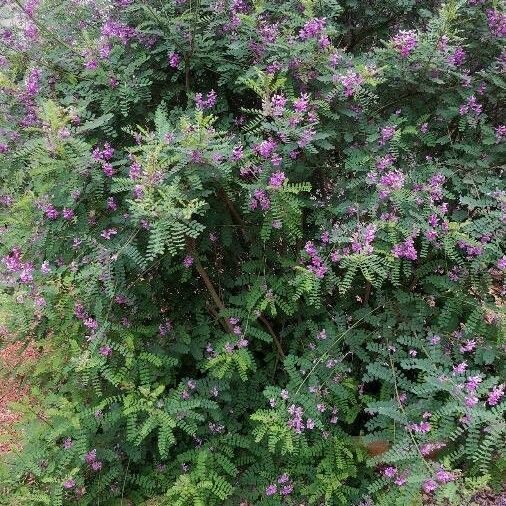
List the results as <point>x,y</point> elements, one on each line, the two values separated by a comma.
<point>259,239</point>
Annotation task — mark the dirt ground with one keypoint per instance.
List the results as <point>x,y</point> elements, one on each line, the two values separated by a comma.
<point>12,389</point>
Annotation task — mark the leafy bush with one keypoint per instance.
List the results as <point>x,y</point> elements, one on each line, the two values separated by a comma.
<point>260,244</point>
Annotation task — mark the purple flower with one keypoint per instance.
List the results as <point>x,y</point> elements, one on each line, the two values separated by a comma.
<point>402,479</point>
<point>301,104</point>
<point>188,261</point>
<point>277,179</point>
<point>68,214</point>
<point>444,476</point>
<point>495,395</point>
<point>91,456</point>
<point>387,134</point>
<point>108,169</point>
<point>312,29</point>
<point>429,486</point>
<point>496,22</point>
<point>471,105</point>
<point>174,60</point>
<point>208,102</point>
<point>472,383</point>
<point>284,478</point>
<point>405,250</point>
<point>96,466</point>
<point>165,327</point>
<point>266,148</point>
<point>32,82</point>
<point>469,345</point>
<point>271,489</point>
<point>68,443</point>
<point>295,422</point>
<point>105,351</point>
<point>51,212</point>
<point>108,233</point>
<point>501,263</point>
<point>458,57</point>
<point>500,133</point>
<point>390,472</point>
<point>459,368</point>
<point>471,400</point>
<point>261,199</point>
<point>405,42</point>
<point>287,489</point>
<point>393,180</point>
<point>278,103</point>
<point>237,152</point>
<point>350,81</point>
<point>68,484</point>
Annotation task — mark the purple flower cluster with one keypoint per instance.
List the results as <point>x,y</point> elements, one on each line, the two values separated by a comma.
<point>387,134</point>
<point>500,133</point>
<point>236,330</point>
<point>350,81</point>
<point>471,250</point>
<point>187,261</point>
<point>277,179</point>
<point>108,233</point>
<point>103,156</point>
<point>286,486</point>
<point>316,265</point>
<point>393,473</point>
<point>405,42</point>
<point>278,103</point>
<point>174,60</point>
<point>362,239</point>
<point>91,459</point>
<point>405,249</point>
<point>260,199</point>
<point>33,81</point>
<point>315,29</point>
<point>496,22</point>
<point>458,57</point>
<point>265,148</point>
<point>389,182</point>
<point>471,106</point>
<point>495,395</point>
<point>208,102</point>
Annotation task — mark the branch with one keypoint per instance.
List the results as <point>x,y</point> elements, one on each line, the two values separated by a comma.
<point>277,342</point>
<point>221,306</point>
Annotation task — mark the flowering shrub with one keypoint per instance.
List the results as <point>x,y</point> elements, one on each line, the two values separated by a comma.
<point>258,241</point>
